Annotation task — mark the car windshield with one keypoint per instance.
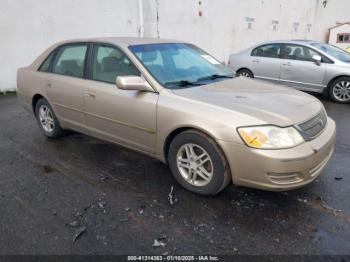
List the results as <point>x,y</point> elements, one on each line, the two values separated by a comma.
<point>336,52</point>
<point>179,65</point>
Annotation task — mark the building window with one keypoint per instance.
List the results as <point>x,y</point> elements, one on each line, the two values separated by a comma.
<point>309,26</point>
<point>295,27</point>
<point>275,25</point>
<point>343,38</point>
<point>249,21</point>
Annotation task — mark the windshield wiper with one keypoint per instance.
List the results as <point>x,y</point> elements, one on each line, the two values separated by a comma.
<point>182,83</point>
<point>213,77</point>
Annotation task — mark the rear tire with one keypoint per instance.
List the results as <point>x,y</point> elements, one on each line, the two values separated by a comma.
<point>198,164</point>
<point>339,90</point>
<point>245,73</point>
<point>47,119</point>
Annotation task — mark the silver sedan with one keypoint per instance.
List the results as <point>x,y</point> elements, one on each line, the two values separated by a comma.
<point>303,64</point>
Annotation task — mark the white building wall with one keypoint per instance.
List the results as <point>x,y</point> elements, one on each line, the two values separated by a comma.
<point>27,27</point>
<point>326,17</point>
<point>223,27</point>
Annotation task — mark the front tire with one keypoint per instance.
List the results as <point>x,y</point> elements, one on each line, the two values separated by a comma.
<point>339,90</point>
<point>47,119</point>
<point>198,164</point>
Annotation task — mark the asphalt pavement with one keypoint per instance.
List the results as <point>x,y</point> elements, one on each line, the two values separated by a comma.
<point>80,195</point>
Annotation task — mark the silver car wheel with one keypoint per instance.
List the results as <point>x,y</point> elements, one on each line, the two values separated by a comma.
<point>341,91</point>
<point>195,165</point>
<point>245,74</point>
<point>46,119</point>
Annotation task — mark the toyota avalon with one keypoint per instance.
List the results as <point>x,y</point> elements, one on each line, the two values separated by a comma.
<point>175,102</point>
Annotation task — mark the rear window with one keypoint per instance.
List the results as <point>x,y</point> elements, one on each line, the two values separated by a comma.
<point>45,66</point>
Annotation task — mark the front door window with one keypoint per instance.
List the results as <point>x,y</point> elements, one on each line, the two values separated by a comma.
<point>109,63</point>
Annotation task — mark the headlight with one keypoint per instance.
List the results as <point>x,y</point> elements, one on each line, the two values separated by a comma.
<point>270,137</point>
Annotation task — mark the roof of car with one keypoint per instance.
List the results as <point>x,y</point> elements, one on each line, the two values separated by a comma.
<point>295,41</point>
<point>127,41</point>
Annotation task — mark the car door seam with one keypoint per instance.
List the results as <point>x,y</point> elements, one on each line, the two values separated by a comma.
<point>68,107</point>
<point>122,123</point>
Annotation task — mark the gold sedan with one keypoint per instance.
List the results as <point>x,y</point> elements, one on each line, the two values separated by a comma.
<point>177,103</point>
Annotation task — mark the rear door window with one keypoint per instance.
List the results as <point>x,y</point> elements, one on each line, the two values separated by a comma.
<point>70,60</point>
<point>270,50</point>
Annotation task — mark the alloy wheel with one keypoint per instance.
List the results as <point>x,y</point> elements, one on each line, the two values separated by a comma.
<point>46,119</point>
<point>195,164</point>
<point>341,91</point>
<point>245,74</point>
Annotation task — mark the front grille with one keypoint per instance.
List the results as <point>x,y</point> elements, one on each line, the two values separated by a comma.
<point>313,127</point>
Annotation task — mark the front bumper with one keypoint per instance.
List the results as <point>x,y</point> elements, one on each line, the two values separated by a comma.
<point>279,170</point>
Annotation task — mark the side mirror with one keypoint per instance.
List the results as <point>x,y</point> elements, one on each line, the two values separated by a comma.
<point>133,83</point>
<point>317,59</point>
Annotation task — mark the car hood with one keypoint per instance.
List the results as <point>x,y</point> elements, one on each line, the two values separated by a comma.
<point>268,103</point>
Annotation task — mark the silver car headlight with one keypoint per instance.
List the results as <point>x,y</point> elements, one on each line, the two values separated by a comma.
<point>270,137</point>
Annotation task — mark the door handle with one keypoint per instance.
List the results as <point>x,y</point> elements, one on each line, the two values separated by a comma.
<point>256,61</point>
<point>287,64</point>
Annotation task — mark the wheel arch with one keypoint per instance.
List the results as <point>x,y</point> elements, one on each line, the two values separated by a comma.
<point>334,79</point>
<point>170,137</point>
<point>35,100</point>
<point>221,152</point>
<point>244,68</point>
<point>330,93</point>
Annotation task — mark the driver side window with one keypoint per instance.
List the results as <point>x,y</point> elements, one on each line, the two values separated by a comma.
<point>109,63</point>
<point>301,53</point>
